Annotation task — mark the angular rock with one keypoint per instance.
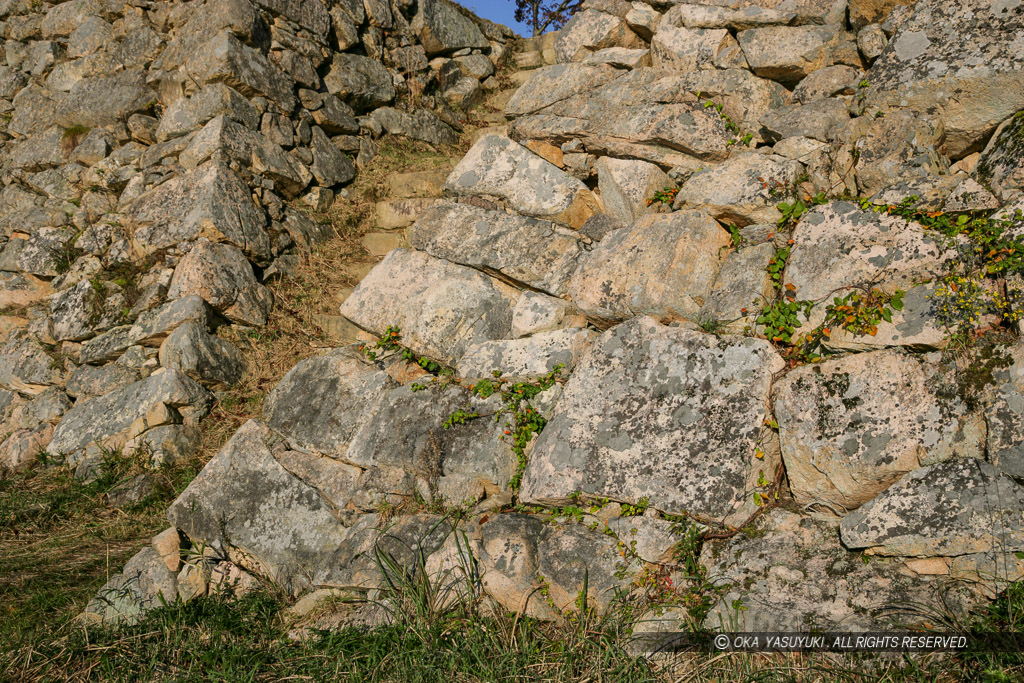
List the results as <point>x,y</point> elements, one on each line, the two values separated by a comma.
<point>788,53</point>
<point>838,245</point>
<point>526,358</point>
<point>25,366</point>
<point>144,584</point>
<point>443,29</point>
<point>741,288</point>
<point>401,213</point>
<point>536,253</point>
<point>209,360</point>
<point>738,18</point>
<point>320,403</point>
<point>246,505</point>
<point>211,202</point>
<point>21,290</point>
<point>792,573</point>
<point>961,59</point>
<point>360,81</point>
<point>627,185</point>
<point>105,100</point>
<point>1001,166</point>
<point>224,136</point>
<point>693,405</point>
<point>499,167</point>
<point>863,12</point>
<point>88,381</point>
<point>330,166</point>
<point>224,59</point>
<point>440,308</point>
<point>556,83</point>
<point>843,444</point>
<point>99,419</point>
<point>620,58</point>
<point>588,31</point>
<point>663,265</point>
<point>223,277</point>
<point>693,49</point>
<point>818,120</point>
<point>739,190</point>
<point>952,508</point>
<point>419,125</point>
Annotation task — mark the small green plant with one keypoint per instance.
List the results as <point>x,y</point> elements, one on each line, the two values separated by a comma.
<point>664,196</point>
<point>777,265</point>
<point>390,342</point>
<point>782,318</point>
<point>963,301</point>
<point>791,212</point>
<point>637,509</point>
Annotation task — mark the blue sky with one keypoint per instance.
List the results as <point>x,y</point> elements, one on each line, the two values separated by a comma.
<point>500,11</point>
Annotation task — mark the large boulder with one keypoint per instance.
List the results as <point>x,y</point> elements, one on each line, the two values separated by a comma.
<point>589,31</point>
<point>664,414</point>
<point>961,60</point>
<point>225,59</point>
<point>788,53</point>
<point>1001,166</point>
<point>248,507</point>
<point>536,253</point>
<point>362,82</point>
<point>109,417</point>
<point>556,83</point>
<point>790,573</point>
<point>499,167</point>
<point>626,186</point>
<point>105,100</point>
<point>838,245</point>
<point>739,191</point>
<point>440,308</point>
<point>211,202</point>
<point>842,442</point>
<point>224,278</point>
<point>444,29</point>
<point>320,403</point>
<point>663,265</point>
<point>1004,411</point>
<point>960,507</point>
<point>25,365</point>
<point>643,114</point>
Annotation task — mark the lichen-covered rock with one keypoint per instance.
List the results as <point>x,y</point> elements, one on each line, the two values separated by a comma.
<point>741,288</point>
<point>144,584</point>
<point>826,83</point>
<point>188,114</point>
<point>1001,166</point>
<point>819,120</point>
<point>692,49</point>
<point>738,16</point>
<point>20,289</point>
<point>210,202</point>
<point>419,125</point>
<point>660,413</point>
<point>258,514</point>
<point>739,190</point>
<point>110,416</point>
<point>209,360</point>
<point>839,245</point>
<point>536,253</point>
<point>361,82</point>
<point>499,167</point>
<point>958,507</point>
<point>962,59</point>
<point>644,114</point>
<point>899,145</point>
<point>26,367</point>
<point>627,185</point>
<point>788,53</point>
<point>1004,412</point>
<point>320,403</point>
<point>591,30</point>
<point>225,59</point>
<point>440,308</point>
<point>526,358</point>
<point>443,29</point>
<point>223,277</point>
<point>536,312</point>
<point>556,83</point>
<point>85,310</point>
<point>404,429</point>
<point>842,442</point>
<point>663,265</point>
<point>792,574</point>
